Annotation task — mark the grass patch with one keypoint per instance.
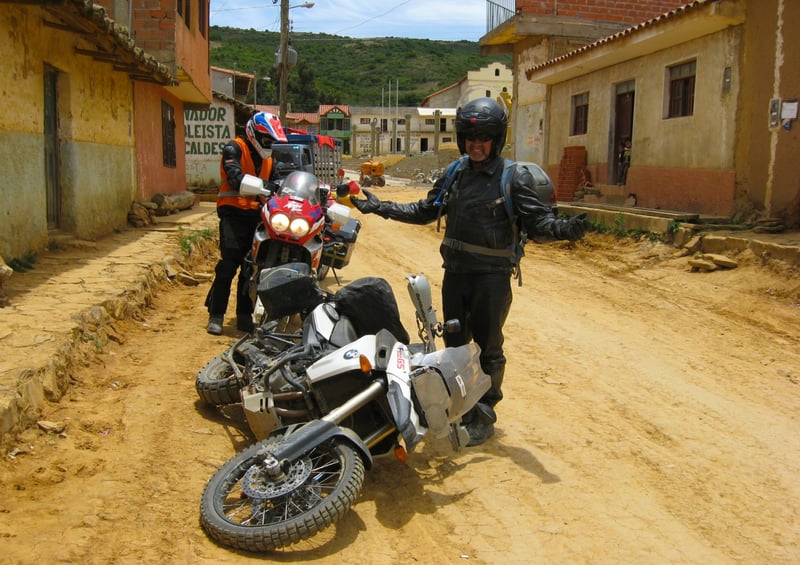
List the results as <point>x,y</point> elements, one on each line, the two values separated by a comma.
<point>188,240</point>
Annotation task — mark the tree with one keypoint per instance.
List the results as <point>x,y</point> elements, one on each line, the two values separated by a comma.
<point>303,91</point>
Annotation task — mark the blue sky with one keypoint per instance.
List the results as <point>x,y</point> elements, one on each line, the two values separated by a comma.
<point>449,20</point>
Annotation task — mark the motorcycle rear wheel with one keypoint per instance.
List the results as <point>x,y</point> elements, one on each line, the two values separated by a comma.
<point>216,383</point>
<point>317,490</point>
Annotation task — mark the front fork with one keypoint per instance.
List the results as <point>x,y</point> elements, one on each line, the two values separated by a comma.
<point>303,438</point>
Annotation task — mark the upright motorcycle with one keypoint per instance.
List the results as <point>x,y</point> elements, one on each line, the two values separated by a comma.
<point>301,221</point>
<point>348,389</point>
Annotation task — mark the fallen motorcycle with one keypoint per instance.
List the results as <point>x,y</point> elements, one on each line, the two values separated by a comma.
<point>301,221</point>
<point>350,388</point>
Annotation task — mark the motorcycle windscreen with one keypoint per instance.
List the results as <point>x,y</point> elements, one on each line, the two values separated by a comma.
<point>301,187</point>
<point>448,384</point>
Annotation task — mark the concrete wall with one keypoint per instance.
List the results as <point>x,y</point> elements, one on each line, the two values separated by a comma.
<point>206,133</point>
<point>768,176</point>
<point>153,175</point>
<point>95,107</point>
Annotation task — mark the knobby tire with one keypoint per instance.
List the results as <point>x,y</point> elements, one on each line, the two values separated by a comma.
<point>318,491</point>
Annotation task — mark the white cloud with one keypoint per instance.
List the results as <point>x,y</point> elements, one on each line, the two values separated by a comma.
<point>449,20</point>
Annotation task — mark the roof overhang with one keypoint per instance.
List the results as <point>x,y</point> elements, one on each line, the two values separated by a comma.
<point>674,28</point>
<point>100,38</point>
<point>186,90</point>
<point>526,27</point>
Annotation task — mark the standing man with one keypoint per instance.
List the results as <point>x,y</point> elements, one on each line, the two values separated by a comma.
<point>479,240</point>
<point>239,216</point>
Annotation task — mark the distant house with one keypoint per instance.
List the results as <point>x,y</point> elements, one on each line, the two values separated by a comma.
<point>492,81</point>
<point>95,116</point>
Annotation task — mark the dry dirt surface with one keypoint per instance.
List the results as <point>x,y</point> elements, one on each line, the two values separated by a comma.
<point>651,416</point>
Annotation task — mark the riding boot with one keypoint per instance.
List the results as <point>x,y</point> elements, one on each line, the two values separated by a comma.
<point>215,324</point>
<point>479,423</point>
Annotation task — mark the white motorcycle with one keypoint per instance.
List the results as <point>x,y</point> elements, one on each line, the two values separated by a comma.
<point>349,389</point>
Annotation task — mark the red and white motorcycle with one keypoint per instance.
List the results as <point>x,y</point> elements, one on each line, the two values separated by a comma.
<point>302,221</point>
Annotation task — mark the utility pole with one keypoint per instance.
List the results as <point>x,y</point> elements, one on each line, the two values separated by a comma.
<point>284,70</point>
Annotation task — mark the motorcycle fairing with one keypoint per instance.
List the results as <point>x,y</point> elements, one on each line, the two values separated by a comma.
<point>342,360</point>
<point>268,250</point>
<point>388,355</point>
<point>399,396</point>
<point>294,208</point>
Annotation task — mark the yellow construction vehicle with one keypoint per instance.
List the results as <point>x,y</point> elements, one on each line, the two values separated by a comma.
<point>372,174</point>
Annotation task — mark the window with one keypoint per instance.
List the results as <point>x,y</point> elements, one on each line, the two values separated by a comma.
<point>202,14</point>
<point>168,134</point>
<point>430,122</point>
<point>580,114</point>
<point>681,89</point>
<point>364,121</point>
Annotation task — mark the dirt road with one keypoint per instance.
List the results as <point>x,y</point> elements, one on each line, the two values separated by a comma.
<point>651,416</point>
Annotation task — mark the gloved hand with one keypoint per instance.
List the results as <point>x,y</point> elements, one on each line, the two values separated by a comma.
<point>368,206</point>
<point>571,229</point>
<point>272,186</point>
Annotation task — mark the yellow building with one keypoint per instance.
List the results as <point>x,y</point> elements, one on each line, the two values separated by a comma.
<point>93,119</point>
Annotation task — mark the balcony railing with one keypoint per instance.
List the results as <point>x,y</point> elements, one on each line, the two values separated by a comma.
<point>498,11</point>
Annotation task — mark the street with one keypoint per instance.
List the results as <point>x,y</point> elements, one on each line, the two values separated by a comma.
<point>650,416</point>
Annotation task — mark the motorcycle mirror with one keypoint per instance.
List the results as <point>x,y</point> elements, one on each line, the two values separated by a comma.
<point>253,186</point>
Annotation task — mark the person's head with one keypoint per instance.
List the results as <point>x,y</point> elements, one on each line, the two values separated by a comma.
<point>263,129</point>
<point>482,123</point>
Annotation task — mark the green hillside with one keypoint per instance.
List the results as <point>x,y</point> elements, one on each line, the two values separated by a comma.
<point>333,69</point>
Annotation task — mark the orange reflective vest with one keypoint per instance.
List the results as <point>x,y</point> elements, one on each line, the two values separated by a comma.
<point>229,197</point>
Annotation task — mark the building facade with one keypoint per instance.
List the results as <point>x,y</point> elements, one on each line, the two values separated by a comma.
<point>534,32</point>
<point>98,118</point>
<point>707,97</point>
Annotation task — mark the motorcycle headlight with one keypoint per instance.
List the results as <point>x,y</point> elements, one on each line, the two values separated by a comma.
<point>279,222</point>
<point>299,227</point>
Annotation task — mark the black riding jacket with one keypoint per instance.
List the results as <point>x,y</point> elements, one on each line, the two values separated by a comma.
<point>476,215</point>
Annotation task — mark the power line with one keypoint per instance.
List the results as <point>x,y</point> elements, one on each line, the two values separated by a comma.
<point>389,11</point>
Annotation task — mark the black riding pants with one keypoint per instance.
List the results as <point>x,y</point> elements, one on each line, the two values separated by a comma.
<point>235,240</point>
<point>481,301</point>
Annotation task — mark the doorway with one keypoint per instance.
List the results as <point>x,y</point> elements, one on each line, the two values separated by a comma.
<point>623,123</point>
<point>51,169</point>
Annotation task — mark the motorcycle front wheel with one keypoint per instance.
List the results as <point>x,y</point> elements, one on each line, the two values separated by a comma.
<point>244,508</point>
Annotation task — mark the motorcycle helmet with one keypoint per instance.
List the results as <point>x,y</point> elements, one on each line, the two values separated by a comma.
<point>263,129</point>
<point>481,117</point>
